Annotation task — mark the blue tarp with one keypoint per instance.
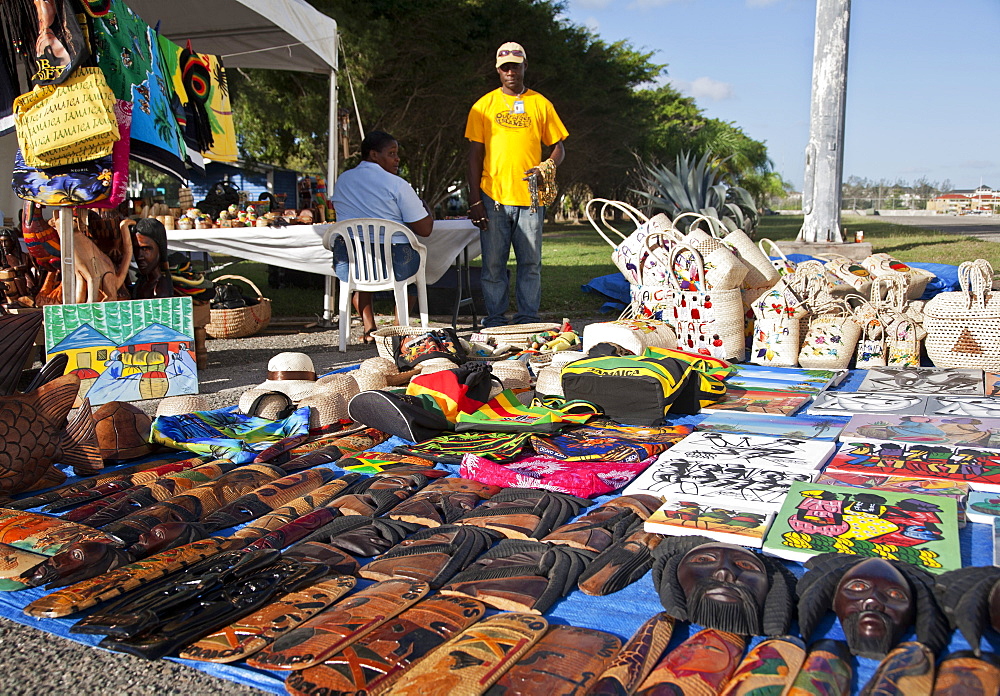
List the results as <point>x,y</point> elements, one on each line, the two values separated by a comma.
<point>621,613</point>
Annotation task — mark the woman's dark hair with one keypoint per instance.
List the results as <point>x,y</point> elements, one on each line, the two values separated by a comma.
<point>377,141</point>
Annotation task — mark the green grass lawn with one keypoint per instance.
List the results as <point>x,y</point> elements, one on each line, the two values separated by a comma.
<point>574,254</point>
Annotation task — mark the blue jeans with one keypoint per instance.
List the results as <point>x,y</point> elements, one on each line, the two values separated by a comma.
<point>512,225</point>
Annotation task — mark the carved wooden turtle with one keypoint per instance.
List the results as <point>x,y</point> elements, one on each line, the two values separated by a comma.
<point>122,431</point>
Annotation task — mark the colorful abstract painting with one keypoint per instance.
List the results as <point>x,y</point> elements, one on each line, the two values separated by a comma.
<point>976,467</point>
<point>679,517</point>
<point>126,351</point>
<point>783,403</point>
<point>820,518</point>
<point>802,427</point>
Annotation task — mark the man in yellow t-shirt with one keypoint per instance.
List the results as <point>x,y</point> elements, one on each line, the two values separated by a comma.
<point>507,128</point>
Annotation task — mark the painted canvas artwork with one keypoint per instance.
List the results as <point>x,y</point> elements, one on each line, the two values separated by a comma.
<point>745,486</point>
<point>904,484</point>
<point>976,467</point>
<point>758,384</point>
<point>924,380</point>
<point>961,406</point>
<point>803,427</point>
<point>126,351</point>
<point>996,541</point>
<point>783,403</point>
<point>953,432</point>
<point>850,403</point>
<point>983,507</point>
<point>755,450</point>
<point>679,517</point>
<point>820,518</point>
<point>793,375</point>
<point>992,383</point>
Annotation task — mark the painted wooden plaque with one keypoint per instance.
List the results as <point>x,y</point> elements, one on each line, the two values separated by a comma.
<point>783,403</point>
<point>820,518</point>
<point>978,468</point>
<point>717,484</point>
<point>802,427</point>
<point>679,517</point>
<point>954,431</point>
<point>755,450</point>
<point>924,380</point>
<point>126,351</point>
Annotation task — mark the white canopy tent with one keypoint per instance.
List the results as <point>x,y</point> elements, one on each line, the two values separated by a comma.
<point>270,34</point>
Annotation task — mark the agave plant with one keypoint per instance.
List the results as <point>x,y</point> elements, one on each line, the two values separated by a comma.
<point>698,187</point>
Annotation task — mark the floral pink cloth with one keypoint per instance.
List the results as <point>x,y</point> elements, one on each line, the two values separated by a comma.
<point>585,479</point>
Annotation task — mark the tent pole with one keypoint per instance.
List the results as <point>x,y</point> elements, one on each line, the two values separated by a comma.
<point>330,300</point>
<point>66,253</point>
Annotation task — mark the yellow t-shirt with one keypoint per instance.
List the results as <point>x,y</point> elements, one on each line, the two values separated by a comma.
<point>513,141</point>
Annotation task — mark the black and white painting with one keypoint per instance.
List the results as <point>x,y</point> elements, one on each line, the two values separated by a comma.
<point>755,450</point>
<point>924,380</point>
<point>850,403</point>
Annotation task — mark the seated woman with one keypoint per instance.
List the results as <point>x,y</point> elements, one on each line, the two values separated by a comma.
<point>373,190</point>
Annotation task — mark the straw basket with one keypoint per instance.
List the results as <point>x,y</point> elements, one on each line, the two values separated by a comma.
<point>963,328</point>
<point>383,338</point>
<point>241,321</point>
<point>518,334</point>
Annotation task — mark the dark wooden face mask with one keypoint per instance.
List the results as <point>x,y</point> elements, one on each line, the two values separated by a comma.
<point>769,667</point>
<point>472,661</point>
<point>432,556</point>
<point>443,501</point>
<point>565,656</point>
<point>337,627</point>
<point>595,531</point>
<point>516,575</point>
<point>619,565</point>
<point>374,663</point>
<point>254,632</point>
<point>524,513</point>
<point>95,590</point>
<point>363,537</point>
<point>633,663</point>
<point>217,607</point>
<point>266,498</point>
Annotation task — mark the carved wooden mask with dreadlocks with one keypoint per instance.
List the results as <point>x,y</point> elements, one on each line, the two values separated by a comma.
<point>723,586</point>
<point>876,600</point>
<point>970,598</point>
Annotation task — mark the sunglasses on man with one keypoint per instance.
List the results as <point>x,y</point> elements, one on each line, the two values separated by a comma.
<point>510,52</point>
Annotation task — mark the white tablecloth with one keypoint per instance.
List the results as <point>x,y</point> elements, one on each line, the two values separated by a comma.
<point>300,247</point>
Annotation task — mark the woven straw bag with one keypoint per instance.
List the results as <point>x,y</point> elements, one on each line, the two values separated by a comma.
<point>635,335</point>
<point>771,250</point>
<point>518,335</point>
<point>884,265</point>
<point>778,312</point>
<point>629,250</point>
<point>963,328</point>
<point>760,272</point>
<point>854,274</point>
<point>383,338</point>
<point>652,297</point>
<point>240,322</point>
<point>902,340</point>
<point>723,269</point>
<point>706,322</point>
<point>831,338</point>
<point>871,346</point>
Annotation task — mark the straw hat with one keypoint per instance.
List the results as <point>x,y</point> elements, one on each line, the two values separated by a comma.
<point>266,403</point>
<point>328,405</point>
<point>436,365</point>
<point>550,381</point>
<point>290,373</point>
<point>370,380</point>
<point>513,373</point>
<point>342,382</point>
<point>177,405</point>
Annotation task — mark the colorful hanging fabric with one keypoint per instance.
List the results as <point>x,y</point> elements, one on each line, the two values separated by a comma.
<point>126,50</point>
<point>608,441</point>
<point>206,116</point>
<point>585,479</point>
<point>505,413</point>
<point>226,433</point>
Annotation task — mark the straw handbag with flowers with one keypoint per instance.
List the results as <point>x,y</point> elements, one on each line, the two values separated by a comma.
<point>706,322</point>
<point>831,338</point>
<point>871,346</point>
<point>776,332</point>
<point>963,328</point>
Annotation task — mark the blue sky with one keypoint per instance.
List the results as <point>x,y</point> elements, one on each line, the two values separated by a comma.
<point>923,84</point>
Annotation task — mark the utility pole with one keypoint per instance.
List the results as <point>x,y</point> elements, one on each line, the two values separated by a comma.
<point>821,193</point>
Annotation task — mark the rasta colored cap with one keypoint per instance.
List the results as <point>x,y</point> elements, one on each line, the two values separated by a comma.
<point>511,52</point>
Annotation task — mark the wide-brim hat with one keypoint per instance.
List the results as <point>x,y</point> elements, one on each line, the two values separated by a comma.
<point>290,373</point>
<point>328,405</point>
<point>266,403</point>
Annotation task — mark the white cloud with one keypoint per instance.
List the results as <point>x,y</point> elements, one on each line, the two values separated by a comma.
<point>592,25</point>
<point>705,88</point>
<point>591,4</point>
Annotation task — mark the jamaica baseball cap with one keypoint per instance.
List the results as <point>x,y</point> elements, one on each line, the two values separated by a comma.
<point>510,52</point>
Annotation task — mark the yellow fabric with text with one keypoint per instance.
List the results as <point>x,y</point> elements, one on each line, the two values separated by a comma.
<point>68,123</point>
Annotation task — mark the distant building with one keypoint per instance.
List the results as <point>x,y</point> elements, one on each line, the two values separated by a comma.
<point>964,202</point>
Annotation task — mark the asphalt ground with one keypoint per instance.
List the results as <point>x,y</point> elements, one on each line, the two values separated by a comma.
<point>985,227</point>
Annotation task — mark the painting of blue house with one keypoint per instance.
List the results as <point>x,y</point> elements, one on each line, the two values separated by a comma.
<point>126,351</point>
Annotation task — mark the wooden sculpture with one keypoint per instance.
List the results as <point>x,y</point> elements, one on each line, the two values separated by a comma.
<point>33,435</point>
<point>98,279</point>
<point>122,431</point>
<point>17,336</point>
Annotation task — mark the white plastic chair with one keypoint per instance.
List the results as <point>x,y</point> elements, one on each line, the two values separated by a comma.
<point>369,256</point>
